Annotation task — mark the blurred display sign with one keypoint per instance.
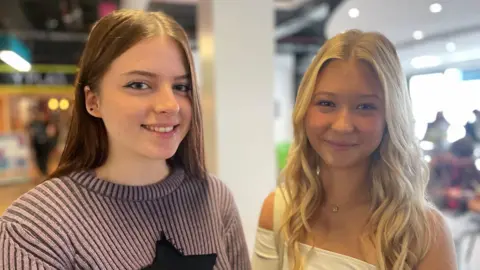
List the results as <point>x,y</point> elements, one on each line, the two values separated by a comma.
<point>37,78</point>
<point>39,75</point>
<point>14,157</point>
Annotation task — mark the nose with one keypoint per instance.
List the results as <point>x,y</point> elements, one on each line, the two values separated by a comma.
<point>165,100</point>
<point>343,121</point>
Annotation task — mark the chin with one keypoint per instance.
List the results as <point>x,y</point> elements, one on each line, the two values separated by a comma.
<point>160,154</point>
<point>340,164</point>
<point>344,162</point>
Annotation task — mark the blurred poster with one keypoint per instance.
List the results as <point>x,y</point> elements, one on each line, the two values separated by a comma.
<point>14,157</point>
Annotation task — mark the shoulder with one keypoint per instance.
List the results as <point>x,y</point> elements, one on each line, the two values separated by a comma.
<point>43,205</point>
<point>219,190</point>
<point>222,194</point>
<point>35,223</point>
<point>273,208</point>
<point>222,199</point>
<point>267,212</point>
<point>212,190</point>
<point>441,252</point>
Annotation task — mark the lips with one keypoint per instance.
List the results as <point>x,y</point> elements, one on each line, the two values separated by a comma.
<point>340,145</point>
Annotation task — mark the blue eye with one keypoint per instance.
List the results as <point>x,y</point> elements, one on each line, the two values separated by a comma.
<point>182,87</point>
<point>325,103</point>
<point>367,107</point>
<point>138,85</point>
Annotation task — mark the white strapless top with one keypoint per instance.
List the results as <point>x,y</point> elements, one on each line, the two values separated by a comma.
<point>266,257</point>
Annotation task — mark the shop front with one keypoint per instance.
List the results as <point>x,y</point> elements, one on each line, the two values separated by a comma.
<point>45,90</point>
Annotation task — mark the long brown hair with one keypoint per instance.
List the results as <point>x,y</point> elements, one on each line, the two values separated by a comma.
<point>87,142</point>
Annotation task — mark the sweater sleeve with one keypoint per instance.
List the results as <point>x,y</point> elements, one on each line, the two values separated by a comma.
<point>235,241</point>
<point>20,250</point>
<point>237,250</point>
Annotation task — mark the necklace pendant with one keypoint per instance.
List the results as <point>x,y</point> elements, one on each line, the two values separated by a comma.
<point>335,208</point>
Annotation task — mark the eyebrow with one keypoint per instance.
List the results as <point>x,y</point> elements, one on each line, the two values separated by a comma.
<point>154,75</point>
<point>326,93</point>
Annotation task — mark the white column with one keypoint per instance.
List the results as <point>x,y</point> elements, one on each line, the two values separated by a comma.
<point>134,4</point>
<point>236,51</point>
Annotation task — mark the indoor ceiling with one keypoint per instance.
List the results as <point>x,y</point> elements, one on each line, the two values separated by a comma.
<point>297,21</point>
<point>279,4</point>
<point>56,30</point>
<point>429,35</point>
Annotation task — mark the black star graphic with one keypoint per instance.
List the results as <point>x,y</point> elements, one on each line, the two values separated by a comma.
<point>168,257</point>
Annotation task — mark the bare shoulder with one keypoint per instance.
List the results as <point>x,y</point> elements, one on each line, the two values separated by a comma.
<point>441,255</point>
<point>266,215</point>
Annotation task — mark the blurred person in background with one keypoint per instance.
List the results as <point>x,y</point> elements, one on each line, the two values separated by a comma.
<point>131,190</point>
<point>437,132</point>
<point>473,128</point>
<point>43,135</point>
<point>355,179</point>
<point>454,177</point>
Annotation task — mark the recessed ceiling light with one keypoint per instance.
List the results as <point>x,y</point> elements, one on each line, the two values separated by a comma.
<point>451,47</point>
<point>354,13</point>
<point>418,35</point>
<point>435,8</point>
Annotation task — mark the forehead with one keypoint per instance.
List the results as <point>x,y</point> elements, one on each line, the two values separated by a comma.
<point>348,77</point>
<point>160,55</point>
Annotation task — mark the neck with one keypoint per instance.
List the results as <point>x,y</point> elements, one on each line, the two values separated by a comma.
<point>345,185</point>
<point>133,172</point>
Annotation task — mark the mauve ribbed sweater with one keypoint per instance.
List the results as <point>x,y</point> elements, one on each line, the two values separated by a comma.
<point>83,222</point>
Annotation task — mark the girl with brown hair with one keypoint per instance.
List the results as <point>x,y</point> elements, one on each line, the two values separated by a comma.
<point>131,190</point>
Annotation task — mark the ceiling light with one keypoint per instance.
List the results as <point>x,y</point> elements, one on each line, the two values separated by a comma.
<point>354,13</point>
<point>425,61</point>
<point>15,61</point>
<point>450,47</point>
<point>435,8</point>
<point>418,35</point>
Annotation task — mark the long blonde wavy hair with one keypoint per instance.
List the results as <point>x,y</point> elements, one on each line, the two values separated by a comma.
<point>398,223</point>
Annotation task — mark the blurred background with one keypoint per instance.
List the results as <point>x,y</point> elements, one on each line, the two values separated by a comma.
<point>250,57</point>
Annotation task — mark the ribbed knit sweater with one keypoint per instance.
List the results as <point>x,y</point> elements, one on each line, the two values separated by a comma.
<point>83,222</point>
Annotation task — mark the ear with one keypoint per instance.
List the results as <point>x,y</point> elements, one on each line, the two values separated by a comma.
<point>92,102</point>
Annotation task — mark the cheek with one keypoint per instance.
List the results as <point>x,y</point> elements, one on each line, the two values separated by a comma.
<point>120,115</point>
<point>315,121</point>
<point>185,108</point>
<point>372,128</point>
<point>315,125</point>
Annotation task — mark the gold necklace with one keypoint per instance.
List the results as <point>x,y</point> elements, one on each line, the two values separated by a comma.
<point>335,208</point>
